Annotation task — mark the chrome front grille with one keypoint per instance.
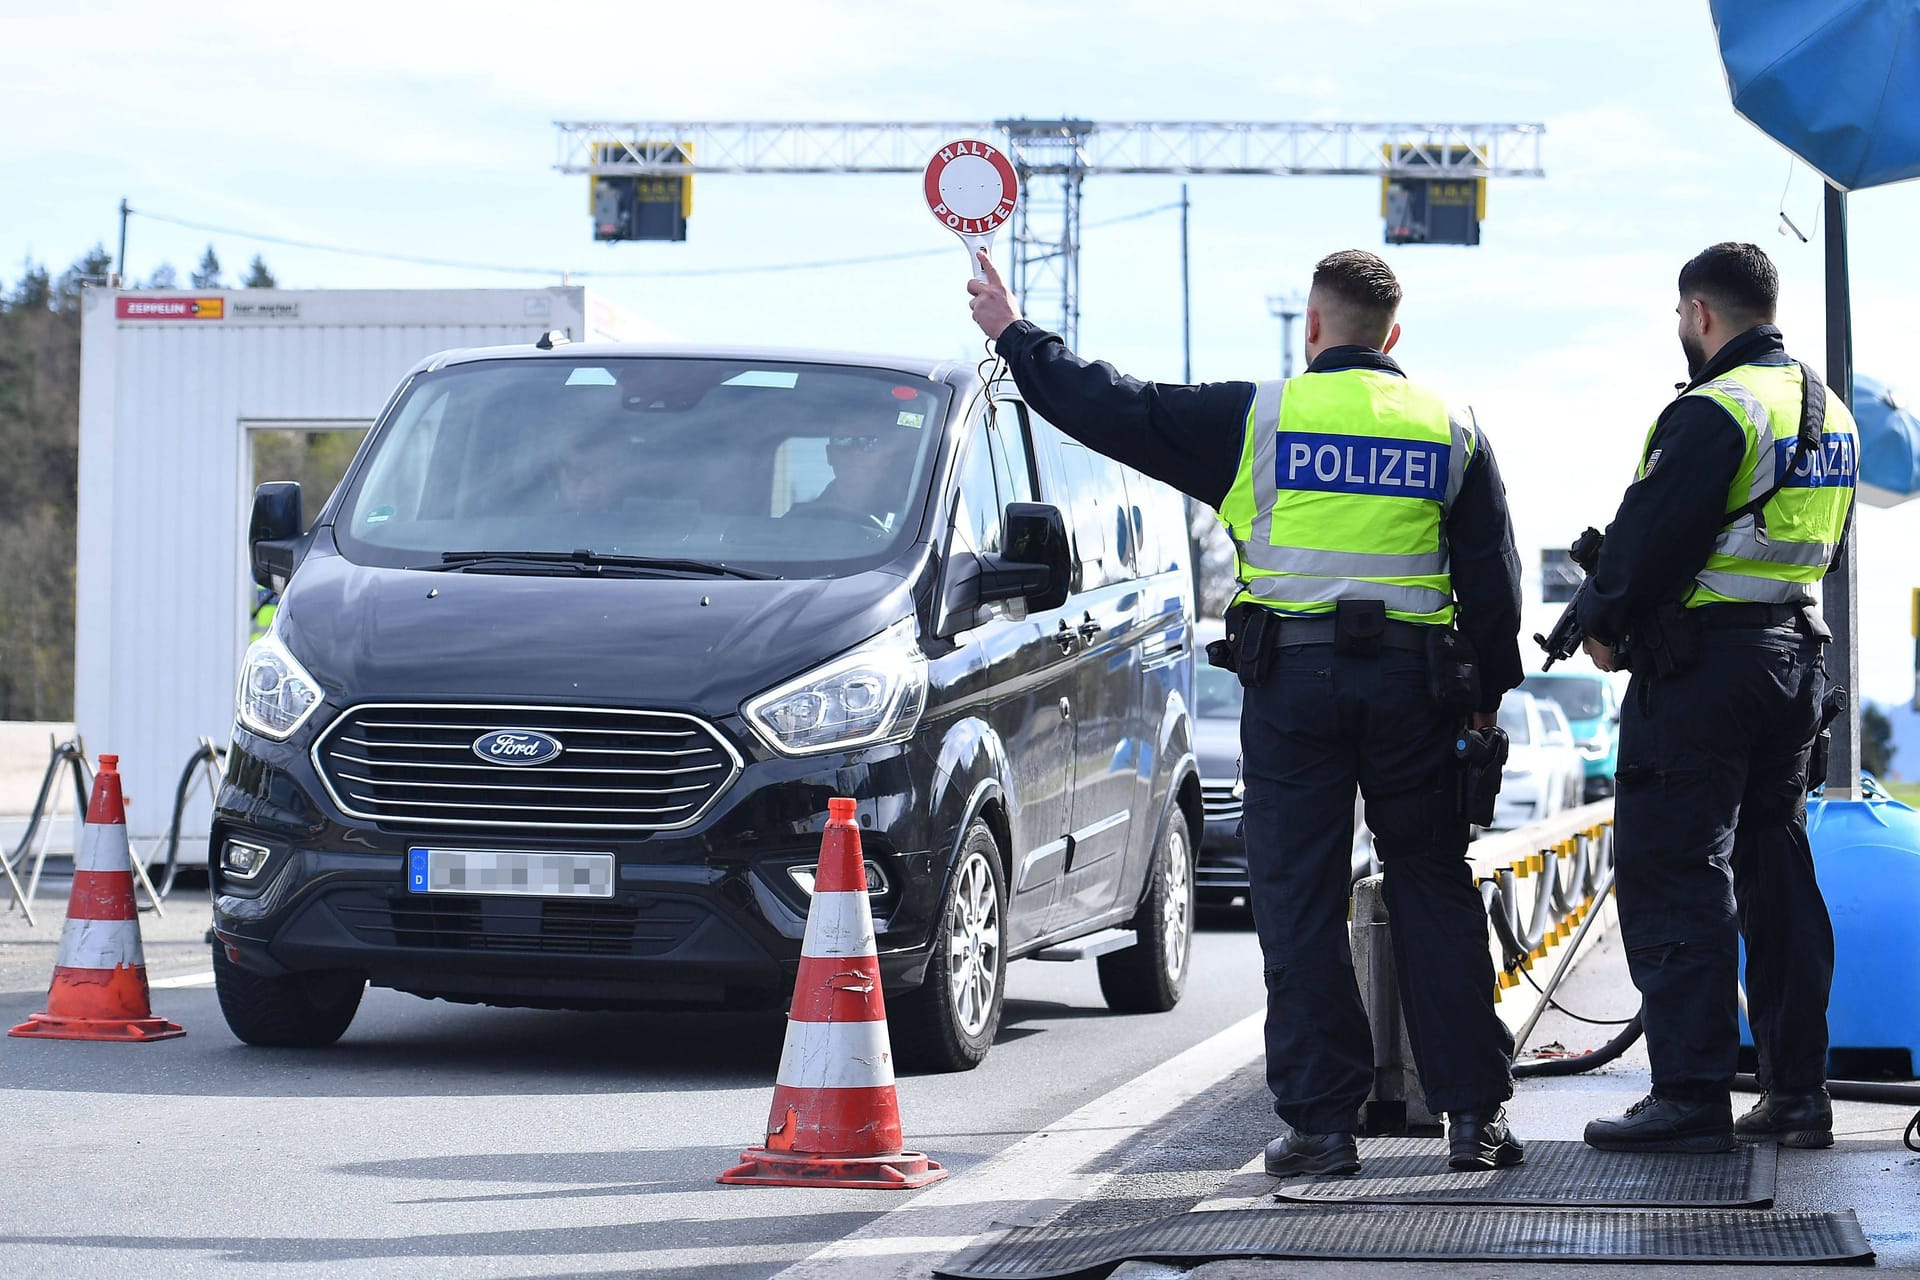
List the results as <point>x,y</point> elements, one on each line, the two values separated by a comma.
<point>413,764</point>
<point>1218,801</point>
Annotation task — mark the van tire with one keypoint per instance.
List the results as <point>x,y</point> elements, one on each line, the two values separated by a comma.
<point>1151,975</point>
<point>969,957</point>
<point>296,1011</point>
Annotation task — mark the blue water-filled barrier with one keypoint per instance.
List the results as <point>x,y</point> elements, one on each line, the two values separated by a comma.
<point>1866,853</point>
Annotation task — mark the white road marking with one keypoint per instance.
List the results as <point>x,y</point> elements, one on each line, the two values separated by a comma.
<point>184,980</point>
<point>1040,1176</point>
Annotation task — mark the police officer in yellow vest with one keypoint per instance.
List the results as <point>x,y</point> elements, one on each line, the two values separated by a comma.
<point>1708,583</point>
<point>1372,528</point>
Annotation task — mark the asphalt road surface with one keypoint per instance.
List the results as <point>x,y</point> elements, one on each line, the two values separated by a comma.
<point>446,1140</point>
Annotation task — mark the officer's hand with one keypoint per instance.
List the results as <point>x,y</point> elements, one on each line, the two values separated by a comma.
<point>1601,654</point>
<point>993,307</point>
<point>1483,719</point>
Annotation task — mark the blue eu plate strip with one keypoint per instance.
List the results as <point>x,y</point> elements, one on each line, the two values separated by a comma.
<point>417,870</point>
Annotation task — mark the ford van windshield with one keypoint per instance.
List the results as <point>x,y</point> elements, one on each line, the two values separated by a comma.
<point>646,464</point>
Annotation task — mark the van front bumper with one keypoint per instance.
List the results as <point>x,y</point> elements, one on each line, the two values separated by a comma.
<point>711,915</point>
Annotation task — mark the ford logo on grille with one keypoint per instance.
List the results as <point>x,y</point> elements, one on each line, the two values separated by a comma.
<point>516,746</point>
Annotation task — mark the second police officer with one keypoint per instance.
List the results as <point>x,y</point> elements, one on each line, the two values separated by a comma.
<point>1709,577</point>
<point>1371,529</point>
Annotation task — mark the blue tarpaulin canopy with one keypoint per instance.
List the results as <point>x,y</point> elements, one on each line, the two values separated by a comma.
<point>1889,445</point>
<point>1836,82</point>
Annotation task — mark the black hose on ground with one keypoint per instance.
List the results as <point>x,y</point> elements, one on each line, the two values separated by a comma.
<point>1573,1066</point>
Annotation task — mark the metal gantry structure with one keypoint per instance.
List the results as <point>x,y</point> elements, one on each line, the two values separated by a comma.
<point>1053,158</point>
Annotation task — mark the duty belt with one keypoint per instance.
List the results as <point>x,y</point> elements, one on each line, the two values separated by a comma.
<point>1411,636</point>
<point>1753,617</point>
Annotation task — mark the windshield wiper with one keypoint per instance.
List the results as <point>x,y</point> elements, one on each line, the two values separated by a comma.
<point>585,559</point>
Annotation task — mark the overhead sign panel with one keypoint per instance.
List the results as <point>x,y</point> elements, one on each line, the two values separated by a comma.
<point>1441,210</point>
<point>629,206</point>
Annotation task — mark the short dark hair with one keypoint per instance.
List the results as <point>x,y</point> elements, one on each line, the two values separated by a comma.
<point>1736,278</point>
<point>1363,285</point>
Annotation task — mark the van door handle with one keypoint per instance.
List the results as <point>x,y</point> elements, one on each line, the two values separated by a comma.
<point>1064,637</point>
<point>1089,629</point>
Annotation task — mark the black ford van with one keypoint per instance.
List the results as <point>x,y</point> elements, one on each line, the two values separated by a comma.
<point>564,673</point>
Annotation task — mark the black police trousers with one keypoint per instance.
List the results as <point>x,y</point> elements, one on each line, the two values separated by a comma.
<point>1317,725</point>
<point>1710,835</point>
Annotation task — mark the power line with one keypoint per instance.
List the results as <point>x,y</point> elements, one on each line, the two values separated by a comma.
<point>670,273</point>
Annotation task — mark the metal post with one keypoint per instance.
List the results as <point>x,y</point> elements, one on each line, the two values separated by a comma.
<point>1840,593</point>
<point>1186,296</point>
<point>1287,310</point>
<point>120,263</point>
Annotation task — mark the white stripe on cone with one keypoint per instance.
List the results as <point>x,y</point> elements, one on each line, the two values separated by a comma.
<point>836,1055</point>
<point>104,848</point>
<point>100,944</point>
<point>839,925</point>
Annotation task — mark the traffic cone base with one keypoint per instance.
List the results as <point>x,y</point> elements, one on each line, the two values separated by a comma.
<point>901,1172</point>
<point>99,989</point>
<point>835,1119</point>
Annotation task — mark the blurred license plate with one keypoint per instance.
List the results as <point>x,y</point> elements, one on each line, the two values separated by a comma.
<point>536,875</point>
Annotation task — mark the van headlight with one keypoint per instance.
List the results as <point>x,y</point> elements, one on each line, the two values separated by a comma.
<point>871,694</point>
<point>276,694</point>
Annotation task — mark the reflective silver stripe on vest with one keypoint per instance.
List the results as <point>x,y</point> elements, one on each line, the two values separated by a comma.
<point>1756,412</point>
<point>1742,541</point>
<point>1743,586</point>
<point>1456,462</point>
<point>1259,549</point>
<point>1331,590</point>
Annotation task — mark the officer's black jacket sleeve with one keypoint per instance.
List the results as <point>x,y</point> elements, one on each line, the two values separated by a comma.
<point>1667,523</point>
<point>1486,575</point>
<point>1189,437</point>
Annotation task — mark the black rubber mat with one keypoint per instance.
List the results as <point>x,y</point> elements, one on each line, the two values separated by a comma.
<point>1414,1171</point>
<point>1418,1234</point>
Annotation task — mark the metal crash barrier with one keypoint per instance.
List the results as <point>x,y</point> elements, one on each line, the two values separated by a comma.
<point>36,841</point>
<point>1543,886</point>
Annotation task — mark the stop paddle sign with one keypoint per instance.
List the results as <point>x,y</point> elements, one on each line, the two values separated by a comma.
<point>972,190</point>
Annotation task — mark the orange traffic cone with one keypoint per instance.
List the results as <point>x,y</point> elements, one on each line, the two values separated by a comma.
<point>99,987</point>
<point>836,1119</point>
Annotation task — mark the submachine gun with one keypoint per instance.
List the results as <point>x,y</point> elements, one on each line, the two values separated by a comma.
<point>1566,634</point>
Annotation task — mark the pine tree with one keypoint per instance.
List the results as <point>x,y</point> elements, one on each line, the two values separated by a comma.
<point>207,275</point>
<point>92,268</point>
<point>163,277</point>
<point>36,288</point>
<point>258,277</point>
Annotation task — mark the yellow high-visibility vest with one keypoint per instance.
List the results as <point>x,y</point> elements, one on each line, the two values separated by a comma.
<point>1345,482</point>
<point>1779,557</point>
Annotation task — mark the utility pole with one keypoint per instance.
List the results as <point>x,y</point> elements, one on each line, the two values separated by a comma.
<point>1286,308</point>
<point>1053,158</point>
<point>1186,296</point>
<point>120,263</point>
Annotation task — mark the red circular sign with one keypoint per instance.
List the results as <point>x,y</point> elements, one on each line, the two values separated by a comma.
<point>971,187</point>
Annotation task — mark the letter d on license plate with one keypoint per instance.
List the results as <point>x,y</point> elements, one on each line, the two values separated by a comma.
<point>504,871</point>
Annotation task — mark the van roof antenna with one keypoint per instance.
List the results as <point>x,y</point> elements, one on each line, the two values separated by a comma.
<point>550,339</point>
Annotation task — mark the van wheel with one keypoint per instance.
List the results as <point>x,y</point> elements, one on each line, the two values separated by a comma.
<point>948,1024</point>
<point>1151,975</point>
<point>297,1011</point>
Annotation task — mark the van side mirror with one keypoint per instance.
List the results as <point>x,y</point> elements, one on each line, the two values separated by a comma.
<point>1037,552</point>
<point>273,534</point>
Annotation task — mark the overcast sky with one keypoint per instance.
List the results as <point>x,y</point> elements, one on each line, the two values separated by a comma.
<point>427,129</point>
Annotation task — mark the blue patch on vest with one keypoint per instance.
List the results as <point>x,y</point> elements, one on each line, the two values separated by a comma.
<point>1362,464</point>
<point>1835,463</point>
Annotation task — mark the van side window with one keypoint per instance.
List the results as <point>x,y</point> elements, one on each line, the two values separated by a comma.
<point>1012,460</point>
<point>1102,522</point>
<point>976,516</point>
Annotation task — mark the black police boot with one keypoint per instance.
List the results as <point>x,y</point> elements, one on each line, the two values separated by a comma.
<point>1328,1153</point>
<point>1480,1139</point>
<point>1791,1119</point>
<point>1666,1124</point>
